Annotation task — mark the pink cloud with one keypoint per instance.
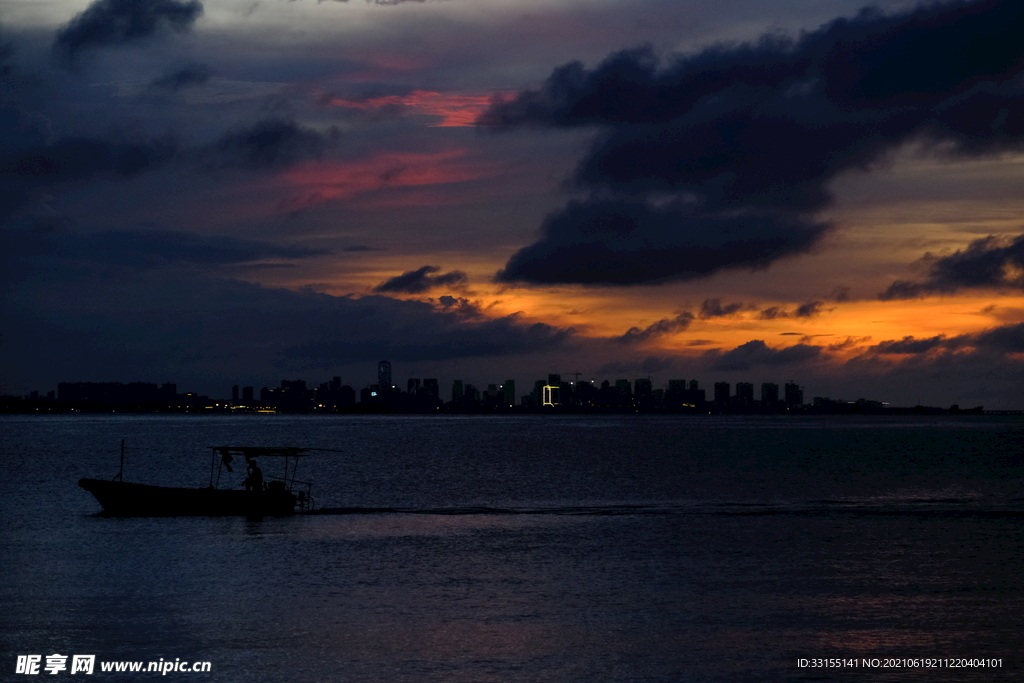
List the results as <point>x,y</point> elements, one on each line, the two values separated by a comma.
<point>454,110</point>
<point>319,182</point>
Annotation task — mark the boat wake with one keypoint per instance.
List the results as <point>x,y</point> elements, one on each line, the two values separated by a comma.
<point>915,508</point>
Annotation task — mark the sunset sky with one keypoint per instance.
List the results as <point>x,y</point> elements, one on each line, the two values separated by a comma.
<point>225,192</point>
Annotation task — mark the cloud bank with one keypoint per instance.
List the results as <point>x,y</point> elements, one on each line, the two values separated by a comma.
<point>31,161</point>
<point>162,304</point>
<point>1006,339</point>
<point>722,159</point>
<point>145,249</point>
<point>665,326</point>
<point>120,22</point>
<point>420,280</point>
<point>757,353</point>
<point>986,263</point>
<point>272,143</point>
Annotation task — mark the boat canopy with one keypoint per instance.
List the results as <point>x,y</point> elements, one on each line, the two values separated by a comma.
<point>248,452</point>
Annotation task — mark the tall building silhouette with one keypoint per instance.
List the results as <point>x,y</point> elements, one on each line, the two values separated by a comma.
<point>794,394</point>
<point>384,375</point>
<point>722,393</point>
<point>508,392</point>
<point>431,388</point>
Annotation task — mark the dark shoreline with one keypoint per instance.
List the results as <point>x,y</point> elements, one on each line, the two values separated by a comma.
<point>20,406</point>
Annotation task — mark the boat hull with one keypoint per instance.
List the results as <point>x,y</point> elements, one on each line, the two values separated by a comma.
<point>125,499</point>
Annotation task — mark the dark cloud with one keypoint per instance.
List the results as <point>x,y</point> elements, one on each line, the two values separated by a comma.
<point>108,321</point>
<point>20,129</point>
<point>629,242</point>
<point>808,310</point>
<point>420,280</point>
<point>839,294</point>
<point>756,352</point>
<point>848,343</point>
<point>1006,339</point>
<point>6,59</point>
<point>635,335</point>
<point>986,262</point>
<point>805,310</point>
<point>30,164</point>
<point>460,306</point>
<point>273,143</point>
<point>81,157</point>
<point>359,247</point>
<point>119,22</point>
<point>911,345</point>
<point>748,137</point>
<point>33,163</point>
<point>903,289</point>
<point>713,308</point>
<point>144,249</point>
<point>423,335</point>
<point>187,76</point>
<point>710,308</point>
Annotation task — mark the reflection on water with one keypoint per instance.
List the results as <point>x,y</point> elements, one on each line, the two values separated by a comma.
<point>607,549</point>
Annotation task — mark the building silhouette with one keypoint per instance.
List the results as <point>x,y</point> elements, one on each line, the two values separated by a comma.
<point>721,394</point>
<point>508,393</point>
<point>384,375</point>
<point>794,395</point>
<point>422,395</point>
<point>431,389</point>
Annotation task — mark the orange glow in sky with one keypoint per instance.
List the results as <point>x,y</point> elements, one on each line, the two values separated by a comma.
<point>844,329</point>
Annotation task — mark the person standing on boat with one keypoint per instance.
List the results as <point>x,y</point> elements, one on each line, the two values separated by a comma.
<point>253,482</point>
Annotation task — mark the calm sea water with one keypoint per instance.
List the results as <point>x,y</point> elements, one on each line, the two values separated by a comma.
<point>528,549</point>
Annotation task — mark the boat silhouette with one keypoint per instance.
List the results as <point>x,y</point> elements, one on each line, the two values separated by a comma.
<point>281,495</point>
